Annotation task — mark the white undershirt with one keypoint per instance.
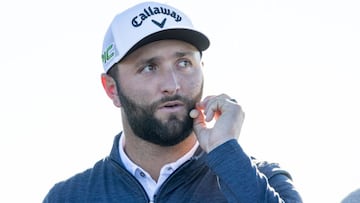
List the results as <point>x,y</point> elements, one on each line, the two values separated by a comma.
<point>149,184</point>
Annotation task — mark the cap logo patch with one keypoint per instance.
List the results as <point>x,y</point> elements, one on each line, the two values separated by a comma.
<point>108,53</point>
<point>161,25</point>
<point>150,11</point>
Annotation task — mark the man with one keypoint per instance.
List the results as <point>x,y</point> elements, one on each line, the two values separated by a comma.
<point>153,73</point>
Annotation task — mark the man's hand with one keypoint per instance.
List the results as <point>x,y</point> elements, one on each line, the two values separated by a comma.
<point>228,116</point>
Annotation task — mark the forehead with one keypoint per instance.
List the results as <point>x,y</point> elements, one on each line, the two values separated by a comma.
<point>162,48</point>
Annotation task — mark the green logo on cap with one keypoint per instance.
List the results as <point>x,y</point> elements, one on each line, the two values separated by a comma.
<point>108,54</point>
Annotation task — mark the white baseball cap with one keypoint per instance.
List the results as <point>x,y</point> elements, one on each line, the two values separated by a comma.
<point>144,23</point>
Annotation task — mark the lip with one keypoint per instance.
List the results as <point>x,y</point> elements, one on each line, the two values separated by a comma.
<point>171,106</point>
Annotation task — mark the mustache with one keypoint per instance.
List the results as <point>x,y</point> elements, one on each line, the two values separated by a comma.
<point>185,100</point>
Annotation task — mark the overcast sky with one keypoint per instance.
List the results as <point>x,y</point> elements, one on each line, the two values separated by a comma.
<point>292,65</point>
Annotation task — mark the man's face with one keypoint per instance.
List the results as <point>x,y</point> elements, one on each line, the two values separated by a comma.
<point>145,125</point>
<point>158,85</point>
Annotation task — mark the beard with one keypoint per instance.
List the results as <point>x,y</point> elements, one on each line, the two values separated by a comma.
<point>145,125</point>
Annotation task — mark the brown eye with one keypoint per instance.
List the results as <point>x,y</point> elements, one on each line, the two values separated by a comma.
<point>148,68</point>
<point>184,63</point>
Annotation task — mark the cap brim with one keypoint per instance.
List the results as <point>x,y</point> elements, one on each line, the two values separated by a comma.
<point>197,39</point>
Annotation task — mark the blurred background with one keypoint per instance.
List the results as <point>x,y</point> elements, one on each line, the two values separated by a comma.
<point>292,65</point>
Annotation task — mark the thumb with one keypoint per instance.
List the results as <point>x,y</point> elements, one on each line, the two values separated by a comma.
<point>199,121</point>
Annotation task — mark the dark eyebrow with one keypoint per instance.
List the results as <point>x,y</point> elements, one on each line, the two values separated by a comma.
<point>147,61</point>
<point>182,54</point>
<point>178,54</point>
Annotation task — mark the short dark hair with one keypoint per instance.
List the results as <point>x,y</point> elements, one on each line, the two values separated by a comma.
<point>113,71</point>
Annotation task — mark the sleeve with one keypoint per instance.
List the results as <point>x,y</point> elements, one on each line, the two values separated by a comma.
<point>244,179</point>
<point>55,194</point>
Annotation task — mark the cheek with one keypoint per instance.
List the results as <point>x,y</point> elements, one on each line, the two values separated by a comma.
<point>136,91</point>
<point>140,96</point>
<point>193,84</point>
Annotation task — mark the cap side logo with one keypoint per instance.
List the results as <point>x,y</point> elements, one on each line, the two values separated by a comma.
<point>150,11</point>
<point>108,54</point>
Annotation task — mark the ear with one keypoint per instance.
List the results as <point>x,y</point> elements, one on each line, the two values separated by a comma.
<point>110,88</point>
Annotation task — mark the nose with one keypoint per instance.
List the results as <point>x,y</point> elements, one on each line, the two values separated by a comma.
<point>170,84</point>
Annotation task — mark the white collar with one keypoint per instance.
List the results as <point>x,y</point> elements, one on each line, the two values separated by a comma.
<point>132,167</point>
